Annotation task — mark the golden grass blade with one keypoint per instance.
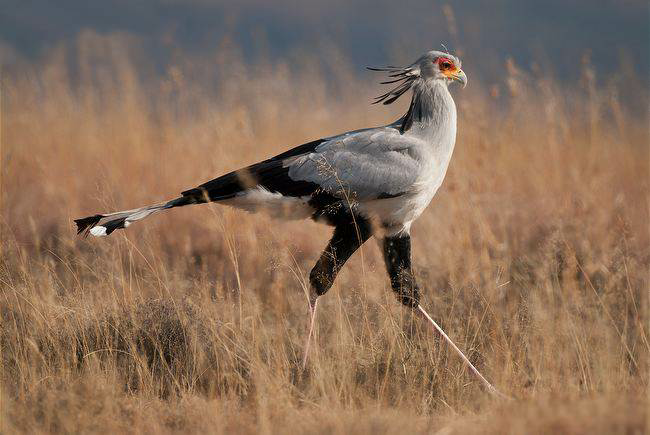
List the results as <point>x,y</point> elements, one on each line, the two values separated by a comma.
<point>312,309</point>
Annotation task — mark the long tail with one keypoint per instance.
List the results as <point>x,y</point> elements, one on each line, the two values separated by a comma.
<point>104,224</point>
<point>271,175</point>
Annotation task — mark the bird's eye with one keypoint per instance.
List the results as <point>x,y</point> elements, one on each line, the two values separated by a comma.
<point>445,65</point>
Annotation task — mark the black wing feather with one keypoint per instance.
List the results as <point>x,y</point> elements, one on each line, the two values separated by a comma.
<point>271,174</point>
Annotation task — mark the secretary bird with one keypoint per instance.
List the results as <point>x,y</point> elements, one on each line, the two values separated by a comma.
<point>374,181</point>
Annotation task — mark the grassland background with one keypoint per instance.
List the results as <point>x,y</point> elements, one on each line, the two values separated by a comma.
<point>533,256</point>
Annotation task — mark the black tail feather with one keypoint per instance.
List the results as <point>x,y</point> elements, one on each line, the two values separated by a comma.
<point>271,174</point>
<point>85,224</point>
<point>114,224</point>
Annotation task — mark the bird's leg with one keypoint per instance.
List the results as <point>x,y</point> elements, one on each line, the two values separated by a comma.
<point>397,255</point>
<point>312,316</point>
<point>347,238</point>
<point>460,353</point>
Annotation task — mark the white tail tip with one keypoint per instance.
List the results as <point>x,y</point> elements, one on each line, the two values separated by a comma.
<point>98,231</point>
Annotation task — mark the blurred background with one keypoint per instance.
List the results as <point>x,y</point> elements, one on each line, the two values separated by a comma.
<point>533,256</point>
<point>555,35</point>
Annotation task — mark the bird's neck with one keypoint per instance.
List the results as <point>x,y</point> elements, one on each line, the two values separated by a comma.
<point>432,109</point>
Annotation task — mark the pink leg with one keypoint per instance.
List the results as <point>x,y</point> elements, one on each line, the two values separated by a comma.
<point>312,310</point>
<point>478,374</point>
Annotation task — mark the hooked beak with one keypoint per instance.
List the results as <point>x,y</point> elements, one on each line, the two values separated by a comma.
<point>460,77</point>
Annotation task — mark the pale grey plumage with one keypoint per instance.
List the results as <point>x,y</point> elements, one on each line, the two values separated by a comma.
<point>364,164</point>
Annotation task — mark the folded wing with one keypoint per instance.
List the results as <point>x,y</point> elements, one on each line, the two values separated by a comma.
<point>364,165</point>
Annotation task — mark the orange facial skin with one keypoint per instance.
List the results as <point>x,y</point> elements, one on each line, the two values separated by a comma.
<point>447,66</point>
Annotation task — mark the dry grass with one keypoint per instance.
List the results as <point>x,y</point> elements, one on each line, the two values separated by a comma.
<point>533,257</point>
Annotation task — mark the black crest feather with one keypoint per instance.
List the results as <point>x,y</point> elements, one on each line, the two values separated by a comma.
<point>404,77</point>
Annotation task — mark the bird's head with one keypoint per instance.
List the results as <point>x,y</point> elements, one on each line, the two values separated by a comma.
<point>436,65</point>
<point>431,66</point>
